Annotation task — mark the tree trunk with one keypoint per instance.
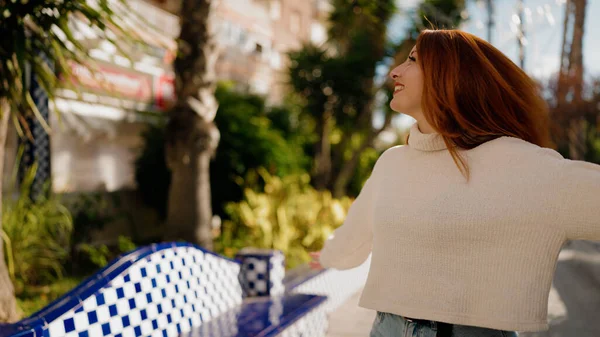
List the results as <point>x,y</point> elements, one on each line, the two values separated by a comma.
<point>577,136</point>
<point>322,174</point>
<point>8,304</point>
<point>192,137</point>
<point>562,86</point>
<point>576,59</point>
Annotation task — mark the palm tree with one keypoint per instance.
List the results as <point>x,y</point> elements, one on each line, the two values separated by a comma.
<point>192,136</point>
<point>39,35</point>
<point>337,82</point>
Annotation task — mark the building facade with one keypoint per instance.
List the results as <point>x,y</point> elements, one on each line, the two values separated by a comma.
<point>97,137</point>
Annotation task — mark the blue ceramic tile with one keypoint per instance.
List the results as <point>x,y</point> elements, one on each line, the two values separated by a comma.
<point>106,329</point>
<point>255,317</point>
<point>112,309</point>
<point>94,289</point>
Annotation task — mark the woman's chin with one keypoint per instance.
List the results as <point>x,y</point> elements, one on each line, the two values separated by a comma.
<point>396,107</point>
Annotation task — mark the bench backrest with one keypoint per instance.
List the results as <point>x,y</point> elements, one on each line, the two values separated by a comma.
<point>163,290</point>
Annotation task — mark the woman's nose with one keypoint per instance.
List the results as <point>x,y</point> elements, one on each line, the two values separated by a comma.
<point>394,74</point>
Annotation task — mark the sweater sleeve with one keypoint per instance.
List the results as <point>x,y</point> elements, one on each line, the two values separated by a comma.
<point>350,244</point>
<point>580,193</point>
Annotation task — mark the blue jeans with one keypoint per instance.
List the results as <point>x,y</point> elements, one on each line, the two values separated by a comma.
<point>390,325</point>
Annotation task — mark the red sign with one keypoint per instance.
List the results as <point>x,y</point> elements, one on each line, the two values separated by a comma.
<point>165,92</point>
<point>115,81</point>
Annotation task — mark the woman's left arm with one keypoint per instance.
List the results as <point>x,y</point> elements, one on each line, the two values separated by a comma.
<point>580,192</point>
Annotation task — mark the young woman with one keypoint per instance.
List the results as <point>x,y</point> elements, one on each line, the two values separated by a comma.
<point>466,221</point>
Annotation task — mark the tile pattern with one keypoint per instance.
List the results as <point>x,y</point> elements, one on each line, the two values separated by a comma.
<point>290,315</point>
<point>262,272</point>
<point>37,150</point>
<point>175,289</point>
<point>314,324</point>
<point>164,294</point>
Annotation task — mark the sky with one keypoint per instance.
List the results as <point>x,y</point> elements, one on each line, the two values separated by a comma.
<point>543,29</point>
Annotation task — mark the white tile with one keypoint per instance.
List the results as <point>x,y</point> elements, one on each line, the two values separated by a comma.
<point>123,306</point>
<point>128,331</point>
<point>134,273</point>
<point>110,295</point>
<point>129,289</point>
<point>56,328</point>
<point>116,325</point>
<point>146,327</point>
<point>89,304</point>
<point>171,330</point>
<point>81,321</point>
<point>140,300</point>
<point>103,314</point>
<point>95,330</point>
<point>146,283</point>
<point>135,318</point>
<point>162,322</point>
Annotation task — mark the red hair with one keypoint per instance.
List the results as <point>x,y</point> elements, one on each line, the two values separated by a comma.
<point>473,93</point>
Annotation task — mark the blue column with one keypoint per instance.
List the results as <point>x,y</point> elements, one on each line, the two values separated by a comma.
<point>262,272</point>
<point>37,150</point>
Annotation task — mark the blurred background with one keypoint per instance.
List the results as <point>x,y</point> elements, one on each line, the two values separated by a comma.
<point>241,123</point>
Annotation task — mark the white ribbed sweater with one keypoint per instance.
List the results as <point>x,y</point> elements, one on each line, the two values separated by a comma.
<point>481,253</point>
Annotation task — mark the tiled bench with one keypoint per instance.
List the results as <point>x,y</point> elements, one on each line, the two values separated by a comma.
<point>289,315</point>
<point>175,289</point>
<point>337,285</point>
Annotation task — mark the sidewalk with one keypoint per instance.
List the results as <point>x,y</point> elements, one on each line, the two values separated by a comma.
<point>350,320</point>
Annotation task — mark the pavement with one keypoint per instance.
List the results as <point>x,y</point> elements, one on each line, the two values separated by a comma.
<point>573,304</point>
<point>350,320</point>
<point>574,308</point>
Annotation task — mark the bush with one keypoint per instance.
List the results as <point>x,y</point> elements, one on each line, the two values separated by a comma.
<point>288,215</point>
<point>100,255</point>
<point>151,173</point>
<point>37,236</point>
<point>252,136</point>
<point>249,140</point>
<point>33,298</point>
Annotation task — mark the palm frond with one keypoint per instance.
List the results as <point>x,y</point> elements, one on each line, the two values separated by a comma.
<point>40,36</point>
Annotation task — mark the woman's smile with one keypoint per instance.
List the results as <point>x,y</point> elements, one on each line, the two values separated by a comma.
<point>398,87</point>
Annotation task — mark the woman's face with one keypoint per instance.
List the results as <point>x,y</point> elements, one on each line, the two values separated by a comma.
<point>408,86</point>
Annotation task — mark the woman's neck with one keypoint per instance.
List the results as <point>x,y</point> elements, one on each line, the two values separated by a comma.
<point>424,127</point>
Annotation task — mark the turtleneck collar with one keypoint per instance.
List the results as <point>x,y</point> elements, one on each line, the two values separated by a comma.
<point>425,141</point>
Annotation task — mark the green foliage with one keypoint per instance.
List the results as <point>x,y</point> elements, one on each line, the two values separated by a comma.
<point>592,143</point>
<point>287,214</point>
<point>151,172</point>
<point>37,236</point>
<point>248,141</point>
<point>32,298</point>
<point>91,211</point>
<point>363,170</point>
<point>359,19</point>
<point>252,136</point>
<point>125,244</point>
<point>35,31</point>
<point>337,84</point>
<point>435,14</point>
<point>100,255</point>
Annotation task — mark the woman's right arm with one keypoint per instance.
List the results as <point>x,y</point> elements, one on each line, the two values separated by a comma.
<point>350,244</point>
